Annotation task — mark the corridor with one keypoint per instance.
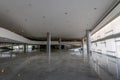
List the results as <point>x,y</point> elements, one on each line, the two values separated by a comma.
<point>64,65</point>
<point>59,39</point>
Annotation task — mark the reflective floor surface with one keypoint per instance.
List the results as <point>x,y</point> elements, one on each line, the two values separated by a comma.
<point>63,65</point>
<point>107,67</point>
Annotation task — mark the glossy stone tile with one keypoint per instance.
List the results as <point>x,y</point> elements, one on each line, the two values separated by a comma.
<point>64,65</point>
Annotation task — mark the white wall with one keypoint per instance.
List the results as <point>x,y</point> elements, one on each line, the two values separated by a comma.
<point>109,46</point>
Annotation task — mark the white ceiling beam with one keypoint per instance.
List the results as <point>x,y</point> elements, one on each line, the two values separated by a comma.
<point>4,33</point>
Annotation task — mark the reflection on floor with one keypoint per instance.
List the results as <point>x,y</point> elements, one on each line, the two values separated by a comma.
<point>7,55</point>
<point>107,67</point>
<point>64,65</point>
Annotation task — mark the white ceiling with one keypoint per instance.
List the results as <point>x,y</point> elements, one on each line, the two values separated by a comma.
<point>63,18</point>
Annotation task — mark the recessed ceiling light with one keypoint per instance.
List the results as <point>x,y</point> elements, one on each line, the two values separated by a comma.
<point>66,13</point>
<point>95,8</point>
<point>44,17</point>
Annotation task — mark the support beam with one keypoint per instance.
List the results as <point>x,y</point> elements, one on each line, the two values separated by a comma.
<point>88,41</point>
<point>83,45</point>
<point>12,46</point>
<point>24,48</point>
<point>39,47</point>
<point>49,46</point>
<point>60,43</point>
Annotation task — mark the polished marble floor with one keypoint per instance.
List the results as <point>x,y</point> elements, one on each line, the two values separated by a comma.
<point>64,65</point>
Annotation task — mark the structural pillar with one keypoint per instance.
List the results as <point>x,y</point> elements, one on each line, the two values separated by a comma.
<point>24,48</point>
<point>83,45</point>
<point>27,47</point>
<point>49,46</point>
<point>88,41</point>
<point>39,47</point>
<point>12,46</point>
<point>60,43</point>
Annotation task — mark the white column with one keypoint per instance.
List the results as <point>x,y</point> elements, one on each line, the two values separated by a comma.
<point>49,46</point>
<point>83,45</point>
<point>24,48</point>
<point>88,41</point>
<point>60,43</point>
<point>12,45</point>
<point>39,47</point>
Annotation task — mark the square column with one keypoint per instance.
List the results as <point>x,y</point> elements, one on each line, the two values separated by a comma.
<point>39,47</point>
<point>60,43</point>
<point>25,48</point>
<point>12,45</point>
<point>49,46</point>
<point>88,41</point>
<point>83,45</point>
